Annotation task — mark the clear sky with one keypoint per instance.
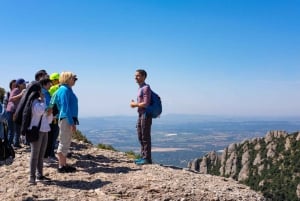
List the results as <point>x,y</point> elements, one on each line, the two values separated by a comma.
<point>226,57</point>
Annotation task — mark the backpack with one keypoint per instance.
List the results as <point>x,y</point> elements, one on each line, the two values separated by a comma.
<point>155,108</point>
<point>6,98</point>
<point>7,153</point>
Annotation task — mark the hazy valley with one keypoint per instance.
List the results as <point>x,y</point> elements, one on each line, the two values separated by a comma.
<point>177,139</point>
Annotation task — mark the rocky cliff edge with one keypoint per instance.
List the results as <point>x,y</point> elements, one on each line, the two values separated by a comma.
<point>108,175</point>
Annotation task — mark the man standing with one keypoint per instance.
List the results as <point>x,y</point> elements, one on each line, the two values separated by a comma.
<point>144,122</point>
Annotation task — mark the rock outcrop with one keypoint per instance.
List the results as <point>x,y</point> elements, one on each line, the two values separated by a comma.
<point>269,164</point>
<point>108,175</point>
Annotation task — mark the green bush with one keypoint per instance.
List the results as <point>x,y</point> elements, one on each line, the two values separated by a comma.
<point>132,154</point>
<point>80,137</point>
<point>106,147</point>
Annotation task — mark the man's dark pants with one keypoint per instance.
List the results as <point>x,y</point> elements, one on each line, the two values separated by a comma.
<point>144,135</point>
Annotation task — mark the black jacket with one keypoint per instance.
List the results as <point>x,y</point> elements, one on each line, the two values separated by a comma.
<point>22,115</point>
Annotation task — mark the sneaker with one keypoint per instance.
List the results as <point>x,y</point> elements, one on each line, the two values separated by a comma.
<point>52,159</point>
<point>62,169</point>
<point>143,162</point>
<point>43,178</point>
<point>138,160</point>
<point>66,169</point>
<point>32,182</point>
<point>46,162</point>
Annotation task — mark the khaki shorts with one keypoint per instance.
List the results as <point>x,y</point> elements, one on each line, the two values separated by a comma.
<point>65,137</point>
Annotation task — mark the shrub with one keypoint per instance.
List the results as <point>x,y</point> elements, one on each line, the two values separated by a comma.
<point>80,137</point>
<point>132,154</point>
<point>106,147</point>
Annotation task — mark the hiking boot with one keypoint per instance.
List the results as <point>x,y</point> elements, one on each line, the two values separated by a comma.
<point>43,178</point>
<point>144,162</point>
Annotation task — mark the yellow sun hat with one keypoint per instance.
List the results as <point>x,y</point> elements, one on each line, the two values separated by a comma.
<point>54,76</point>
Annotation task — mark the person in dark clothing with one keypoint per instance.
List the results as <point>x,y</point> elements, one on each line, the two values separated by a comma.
<point>144,122</point>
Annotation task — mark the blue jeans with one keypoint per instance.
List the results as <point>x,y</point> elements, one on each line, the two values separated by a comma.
<point>11,127</point>
<point>14,130</point>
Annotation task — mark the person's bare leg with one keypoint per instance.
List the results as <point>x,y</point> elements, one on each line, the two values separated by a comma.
<point>62,160</point>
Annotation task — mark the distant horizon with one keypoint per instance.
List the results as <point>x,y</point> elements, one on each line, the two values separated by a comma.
<point>204,116</point>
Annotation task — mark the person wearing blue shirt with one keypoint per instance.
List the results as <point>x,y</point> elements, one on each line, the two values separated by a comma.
<point>46,84</point>
<point>67,104</point>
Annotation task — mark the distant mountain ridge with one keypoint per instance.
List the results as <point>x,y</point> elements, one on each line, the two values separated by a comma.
<point>269,164</point>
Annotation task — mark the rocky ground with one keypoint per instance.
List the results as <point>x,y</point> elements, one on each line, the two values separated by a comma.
<point>112,176</point>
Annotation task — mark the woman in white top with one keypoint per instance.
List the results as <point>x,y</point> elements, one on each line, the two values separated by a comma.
<point>39,112</point>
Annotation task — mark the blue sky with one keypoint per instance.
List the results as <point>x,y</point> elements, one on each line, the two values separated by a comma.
<point>229,57</point>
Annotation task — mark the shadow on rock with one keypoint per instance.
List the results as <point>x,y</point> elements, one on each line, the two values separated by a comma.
<point>80,184</point>
<point>34,199</point>
<point>94,164</point>
<point>77,146</point>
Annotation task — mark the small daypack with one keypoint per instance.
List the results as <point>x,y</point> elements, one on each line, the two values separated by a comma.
<point>155,108</point>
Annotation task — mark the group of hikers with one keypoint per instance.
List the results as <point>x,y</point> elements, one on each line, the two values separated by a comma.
<point>49,106</point>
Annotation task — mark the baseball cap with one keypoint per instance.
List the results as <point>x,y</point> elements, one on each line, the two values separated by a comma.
<point>54,76</point>
<point>21,81</point>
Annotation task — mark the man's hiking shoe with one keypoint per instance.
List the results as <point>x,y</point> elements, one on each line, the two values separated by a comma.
<point>144,162</point>
<point>66,169</point>
<point>43,178</point>
<point>138,160</point>
<point>141,159</point>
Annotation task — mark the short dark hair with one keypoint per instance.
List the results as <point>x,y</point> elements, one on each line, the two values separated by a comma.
<point>142,72</point>
<point>44,81</point>
<point>11,84</point>
<point>39,74</point>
